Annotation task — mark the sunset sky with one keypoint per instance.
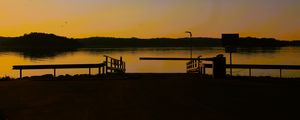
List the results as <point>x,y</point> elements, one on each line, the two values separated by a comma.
<point>151,18</point>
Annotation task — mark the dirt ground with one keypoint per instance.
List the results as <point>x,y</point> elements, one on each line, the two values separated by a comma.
<point>150,97</point>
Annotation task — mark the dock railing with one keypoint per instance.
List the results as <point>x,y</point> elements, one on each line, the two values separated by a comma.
<point>219,67</point>
<point>195,66</point>
<point>114,65</point>
<point>110,65</point>
<point>251,67</point>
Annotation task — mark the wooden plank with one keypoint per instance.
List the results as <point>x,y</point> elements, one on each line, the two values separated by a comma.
<point>264,66</point>
<point>157,58</point>
<point>115,66</point>
<point>58,66</point>
<point>256,66</point>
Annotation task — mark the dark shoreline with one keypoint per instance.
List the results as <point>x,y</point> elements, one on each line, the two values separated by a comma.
<point>144,76</point>
<point>42,40</point>
<point>149,97</point>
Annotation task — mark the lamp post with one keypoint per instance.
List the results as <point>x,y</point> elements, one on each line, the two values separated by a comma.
<point>191,35</point>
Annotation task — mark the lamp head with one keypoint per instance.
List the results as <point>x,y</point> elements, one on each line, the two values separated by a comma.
<point>189,33</point>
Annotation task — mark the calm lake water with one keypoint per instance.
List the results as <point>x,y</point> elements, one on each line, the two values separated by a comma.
<point>278,56</point>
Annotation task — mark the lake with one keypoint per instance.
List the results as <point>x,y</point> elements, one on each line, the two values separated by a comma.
<point>278,56</point>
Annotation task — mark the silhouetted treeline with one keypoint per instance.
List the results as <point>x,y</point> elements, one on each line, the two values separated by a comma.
<point>294,43</point>
<point>38,45</point>
<point>182,42</point>
<point>39,41</point>
<point>154,42</point>
<point>51,41</point>
<point>260,42</point>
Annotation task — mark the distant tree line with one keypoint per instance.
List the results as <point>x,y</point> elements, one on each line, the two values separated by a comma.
<point>182,42</point>
<point>39,41</point>
<point>51,41</point>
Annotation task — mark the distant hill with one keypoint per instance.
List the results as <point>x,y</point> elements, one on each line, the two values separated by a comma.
<point>51,41</point>
<point>154,42</point>
<point>294,43</point>
<point>260,42</point>
<point>39,41</point>
<point>181,42</point>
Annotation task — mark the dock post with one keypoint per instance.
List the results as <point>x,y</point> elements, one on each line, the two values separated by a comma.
<point>200,70</point>
<point>230,64</point>
<point>99,70</point>
<point>54,72</point>
<point>280,73</point>
<point>111,65</point>
<point>124,67</point>
<point>21,74</point>
<point>219,67</point>
<point>250,72</point>
<point>103,69</point>
<point>89,71</point>
<point>121,61</point>
<point>106,64</point>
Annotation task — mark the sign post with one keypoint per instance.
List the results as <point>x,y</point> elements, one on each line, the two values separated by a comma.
<point>229,41</point>
<point>191,43</point>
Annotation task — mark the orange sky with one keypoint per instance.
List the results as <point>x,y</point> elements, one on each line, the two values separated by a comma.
<point>151,18</point>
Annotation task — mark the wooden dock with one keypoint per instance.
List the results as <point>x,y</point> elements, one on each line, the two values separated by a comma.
<point>197,66</point>
<point>110,65</point>
<point>219,66</point>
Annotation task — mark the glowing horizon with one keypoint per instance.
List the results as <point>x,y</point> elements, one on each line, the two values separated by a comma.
<point>151,18</point>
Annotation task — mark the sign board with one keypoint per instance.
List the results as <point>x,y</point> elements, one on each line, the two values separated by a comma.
<point>229,41</point>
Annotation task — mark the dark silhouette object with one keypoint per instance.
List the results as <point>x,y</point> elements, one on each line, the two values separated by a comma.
<point>43,45</point>
<point>191,45</point>
<point>252,67</point>
<point>40,41</point>
<point>39,45</point>
<point>44,40</point>
<point>219,67</point>
<point>248,42</point>
<point>295,43</point>
<point>105,42</point>
<point>6,78</point>
<point>110,65</point>
<point>230,40</point>
<point>219,64</point>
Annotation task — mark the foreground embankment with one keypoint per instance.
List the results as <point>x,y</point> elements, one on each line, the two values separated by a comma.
<point>150,97</point>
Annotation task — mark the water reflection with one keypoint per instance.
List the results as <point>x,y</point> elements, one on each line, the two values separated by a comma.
<point>37,54</point>
<point>254,50</point>
<point>284,55</point>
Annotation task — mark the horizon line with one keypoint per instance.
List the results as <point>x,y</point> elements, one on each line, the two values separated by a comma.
<point>148,37</point>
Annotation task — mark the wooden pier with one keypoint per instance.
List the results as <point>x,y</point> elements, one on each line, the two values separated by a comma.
<point>219,62</point>
<point>251,67</point>
<point>219,66</point>
<point>197,66</point>
<point>110,65</point>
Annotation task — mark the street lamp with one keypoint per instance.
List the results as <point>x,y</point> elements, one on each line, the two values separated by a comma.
<point>191,35</point>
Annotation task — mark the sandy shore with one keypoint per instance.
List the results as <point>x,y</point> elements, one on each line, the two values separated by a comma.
<point>150,97</point>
